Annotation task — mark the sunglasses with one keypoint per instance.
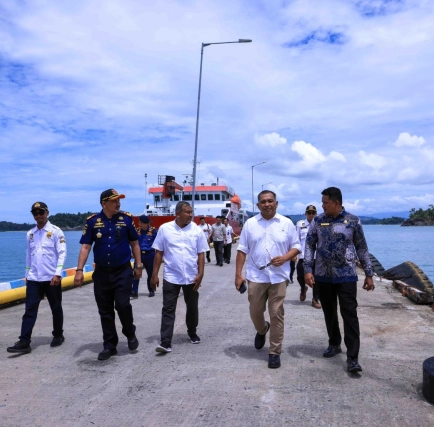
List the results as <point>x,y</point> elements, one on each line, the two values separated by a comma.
<point>263,267</point>
<point>38,213</point>
<point>311,212</point>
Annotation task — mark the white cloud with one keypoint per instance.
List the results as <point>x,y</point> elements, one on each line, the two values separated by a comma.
<point>373,160</point>
<point>310,154</point>
<point>406,140</point>
<point>272,139</point>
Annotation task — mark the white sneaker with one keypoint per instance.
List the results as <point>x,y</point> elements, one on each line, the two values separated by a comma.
<point>162,349</point>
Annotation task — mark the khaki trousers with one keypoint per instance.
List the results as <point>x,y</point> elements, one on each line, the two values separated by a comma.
<point>259,293</point>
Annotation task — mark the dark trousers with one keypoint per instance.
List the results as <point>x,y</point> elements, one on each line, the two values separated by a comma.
<point>346,292</point>
<point>148,263</point>
<point>112,291</point>
<point>218,249</point>
<point>207,255</point>
<point>291,269</point>
<point>300,278</point>
<point>227,252</point>
<point>34,293</point>
<point>170,299</point>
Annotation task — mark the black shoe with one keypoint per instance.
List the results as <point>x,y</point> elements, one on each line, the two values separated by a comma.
<point>20,347</point>
<point>194,339</point>
<point>332,351</point>
<point>134,295</point>
<point>107,353</point>
<point>221,264</point>
<point>260,339</point>
<point>208,259</point>
<point>353,365</point>
<point>56,341</point>
<point>133,343</point>
<point>273,361</point>
<point>228,261</point>
<point>151,294</point>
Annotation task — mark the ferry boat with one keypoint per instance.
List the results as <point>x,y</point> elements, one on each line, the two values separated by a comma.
<point>210,200</point>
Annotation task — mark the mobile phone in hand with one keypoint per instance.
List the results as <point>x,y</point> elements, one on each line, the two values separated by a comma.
<point>243,287</point>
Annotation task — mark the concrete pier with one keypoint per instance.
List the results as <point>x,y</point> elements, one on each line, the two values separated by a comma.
<point>223,381</point>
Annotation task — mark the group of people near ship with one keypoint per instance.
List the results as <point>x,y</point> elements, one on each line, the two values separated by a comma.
<point>326,245</point>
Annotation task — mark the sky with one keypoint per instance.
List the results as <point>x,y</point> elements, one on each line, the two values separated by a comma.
<point>97,93</point>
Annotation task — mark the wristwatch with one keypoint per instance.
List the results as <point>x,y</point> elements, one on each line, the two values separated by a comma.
<point>140,266</point>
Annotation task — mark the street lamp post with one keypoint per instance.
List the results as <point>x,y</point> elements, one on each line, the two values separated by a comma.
<point>266,184</point>
<point>253,197</point>
<point>193,193</point>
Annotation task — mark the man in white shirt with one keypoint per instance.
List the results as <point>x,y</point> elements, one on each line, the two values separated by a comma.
<point>45,259</point>
<point>218,235</point>
<point>206,228</point>
<point>270,240</point>
<point>182,244</point>
<point>228,246</point>
<point>302,229</point>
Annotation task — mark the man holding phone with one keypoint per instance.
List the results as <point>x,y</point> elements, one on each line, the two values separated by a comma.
<point>271,241</point>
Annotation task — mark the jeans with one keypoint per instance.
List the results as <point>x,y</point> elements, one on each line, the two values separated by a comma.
<point>112,291</point>
<point>170,299</point>
<point>218,248</point>
<point>34,293</point>
<point>148,263</point>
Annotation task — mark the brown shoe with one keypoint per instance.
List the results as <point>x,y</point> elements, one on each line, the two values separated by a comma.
<point>316,303</point>
<point>303,294</point>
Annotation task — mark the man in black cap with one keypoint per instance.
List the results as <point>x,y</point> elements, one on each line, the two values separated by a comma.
<point>114,235</point>
<point>147,235</point>
<point>302,229</point>
<point>45,258</point>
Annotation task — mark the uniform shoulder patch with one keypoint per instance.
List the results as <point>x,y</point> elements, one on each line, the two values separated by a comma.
<point>126,213</point>
<point>90,216</point>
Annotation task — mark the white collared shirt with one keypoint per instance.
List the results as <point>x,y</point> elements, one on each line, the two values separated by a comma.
<point>303,227</point>
<point>229,231</point>
<point>180,247</point>
<point>263,240</point>
<point>206,229</point>
<point>46,253</point>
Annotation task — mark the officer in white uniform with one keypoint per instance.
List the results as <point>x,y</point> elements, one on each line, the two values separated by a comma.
<point>302,230</point>
<point>45,259</point>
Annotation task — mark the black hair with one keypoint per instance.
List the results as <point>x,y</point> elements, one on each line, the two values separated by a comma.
<point>180,205</point>
<point>333,193</point>
<point>265,192</point>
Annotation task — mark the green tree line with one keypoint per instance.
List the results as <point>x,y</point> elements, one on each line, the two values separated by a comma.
<point>62,220</point>
<point>423,213</point>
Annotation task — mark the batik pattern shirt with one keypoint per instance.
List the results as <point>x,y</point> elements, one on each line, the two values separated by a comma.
<point>338,242</point>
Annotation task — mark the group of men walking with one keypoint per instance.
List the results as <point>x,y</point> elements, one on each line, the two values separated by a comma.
<point>327,246</point>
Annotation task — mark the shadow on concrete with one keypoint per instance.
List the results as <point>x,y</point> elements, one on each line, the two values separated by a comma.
<point>300,351</point>
<point>246,352</point>
<point>297,302</point>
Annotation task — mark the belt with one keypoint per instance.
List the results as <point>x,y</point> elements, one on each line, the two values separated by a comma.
<point>114,269</point>
<point>148,252</point>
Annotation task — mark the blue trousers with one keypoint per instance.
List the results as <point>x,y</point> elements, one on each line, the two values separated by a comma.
<point>112,291</point>
<point>34,293</point>
<point>148,263</point>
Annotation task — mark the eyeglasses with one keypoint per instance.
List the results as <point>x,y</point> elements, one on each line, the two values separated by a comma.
<point>264,266</point>
<point>38,213</point>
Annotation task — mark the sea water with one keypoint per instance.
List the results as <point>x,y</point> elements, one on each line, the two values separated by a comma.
<point>390,244</point>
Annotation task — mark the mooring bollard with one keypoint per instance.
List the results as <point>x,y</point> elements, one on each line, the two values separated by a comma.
<point>428,380</point>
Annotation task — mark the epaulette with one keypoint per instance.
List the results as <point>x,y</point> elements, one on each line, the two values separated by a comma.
<point>126,213</point>
<point>91,216</point>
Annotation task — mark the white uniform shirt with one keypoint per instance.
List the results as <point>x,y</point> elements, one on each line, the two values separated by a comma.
<point>263,240</point>
<point>46,253</point>
<point>229,231</point>
<point>303,227</point>
<point>181,247</point>
<point>206,229</point>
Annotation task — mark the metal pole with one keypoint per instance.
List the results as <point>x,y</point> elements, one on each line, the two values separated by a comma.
<point>146,192</point>
<point>193,193</point>
<point>253,197</point>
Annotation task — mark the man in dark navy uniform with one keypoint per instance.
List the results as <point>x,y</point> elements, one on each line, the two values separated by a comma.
<point>147,235</point>
<point>114,235</point>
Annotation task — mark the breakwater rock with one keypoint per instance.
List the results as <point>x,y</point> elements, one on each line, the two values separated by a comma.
<point>420,222</point>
